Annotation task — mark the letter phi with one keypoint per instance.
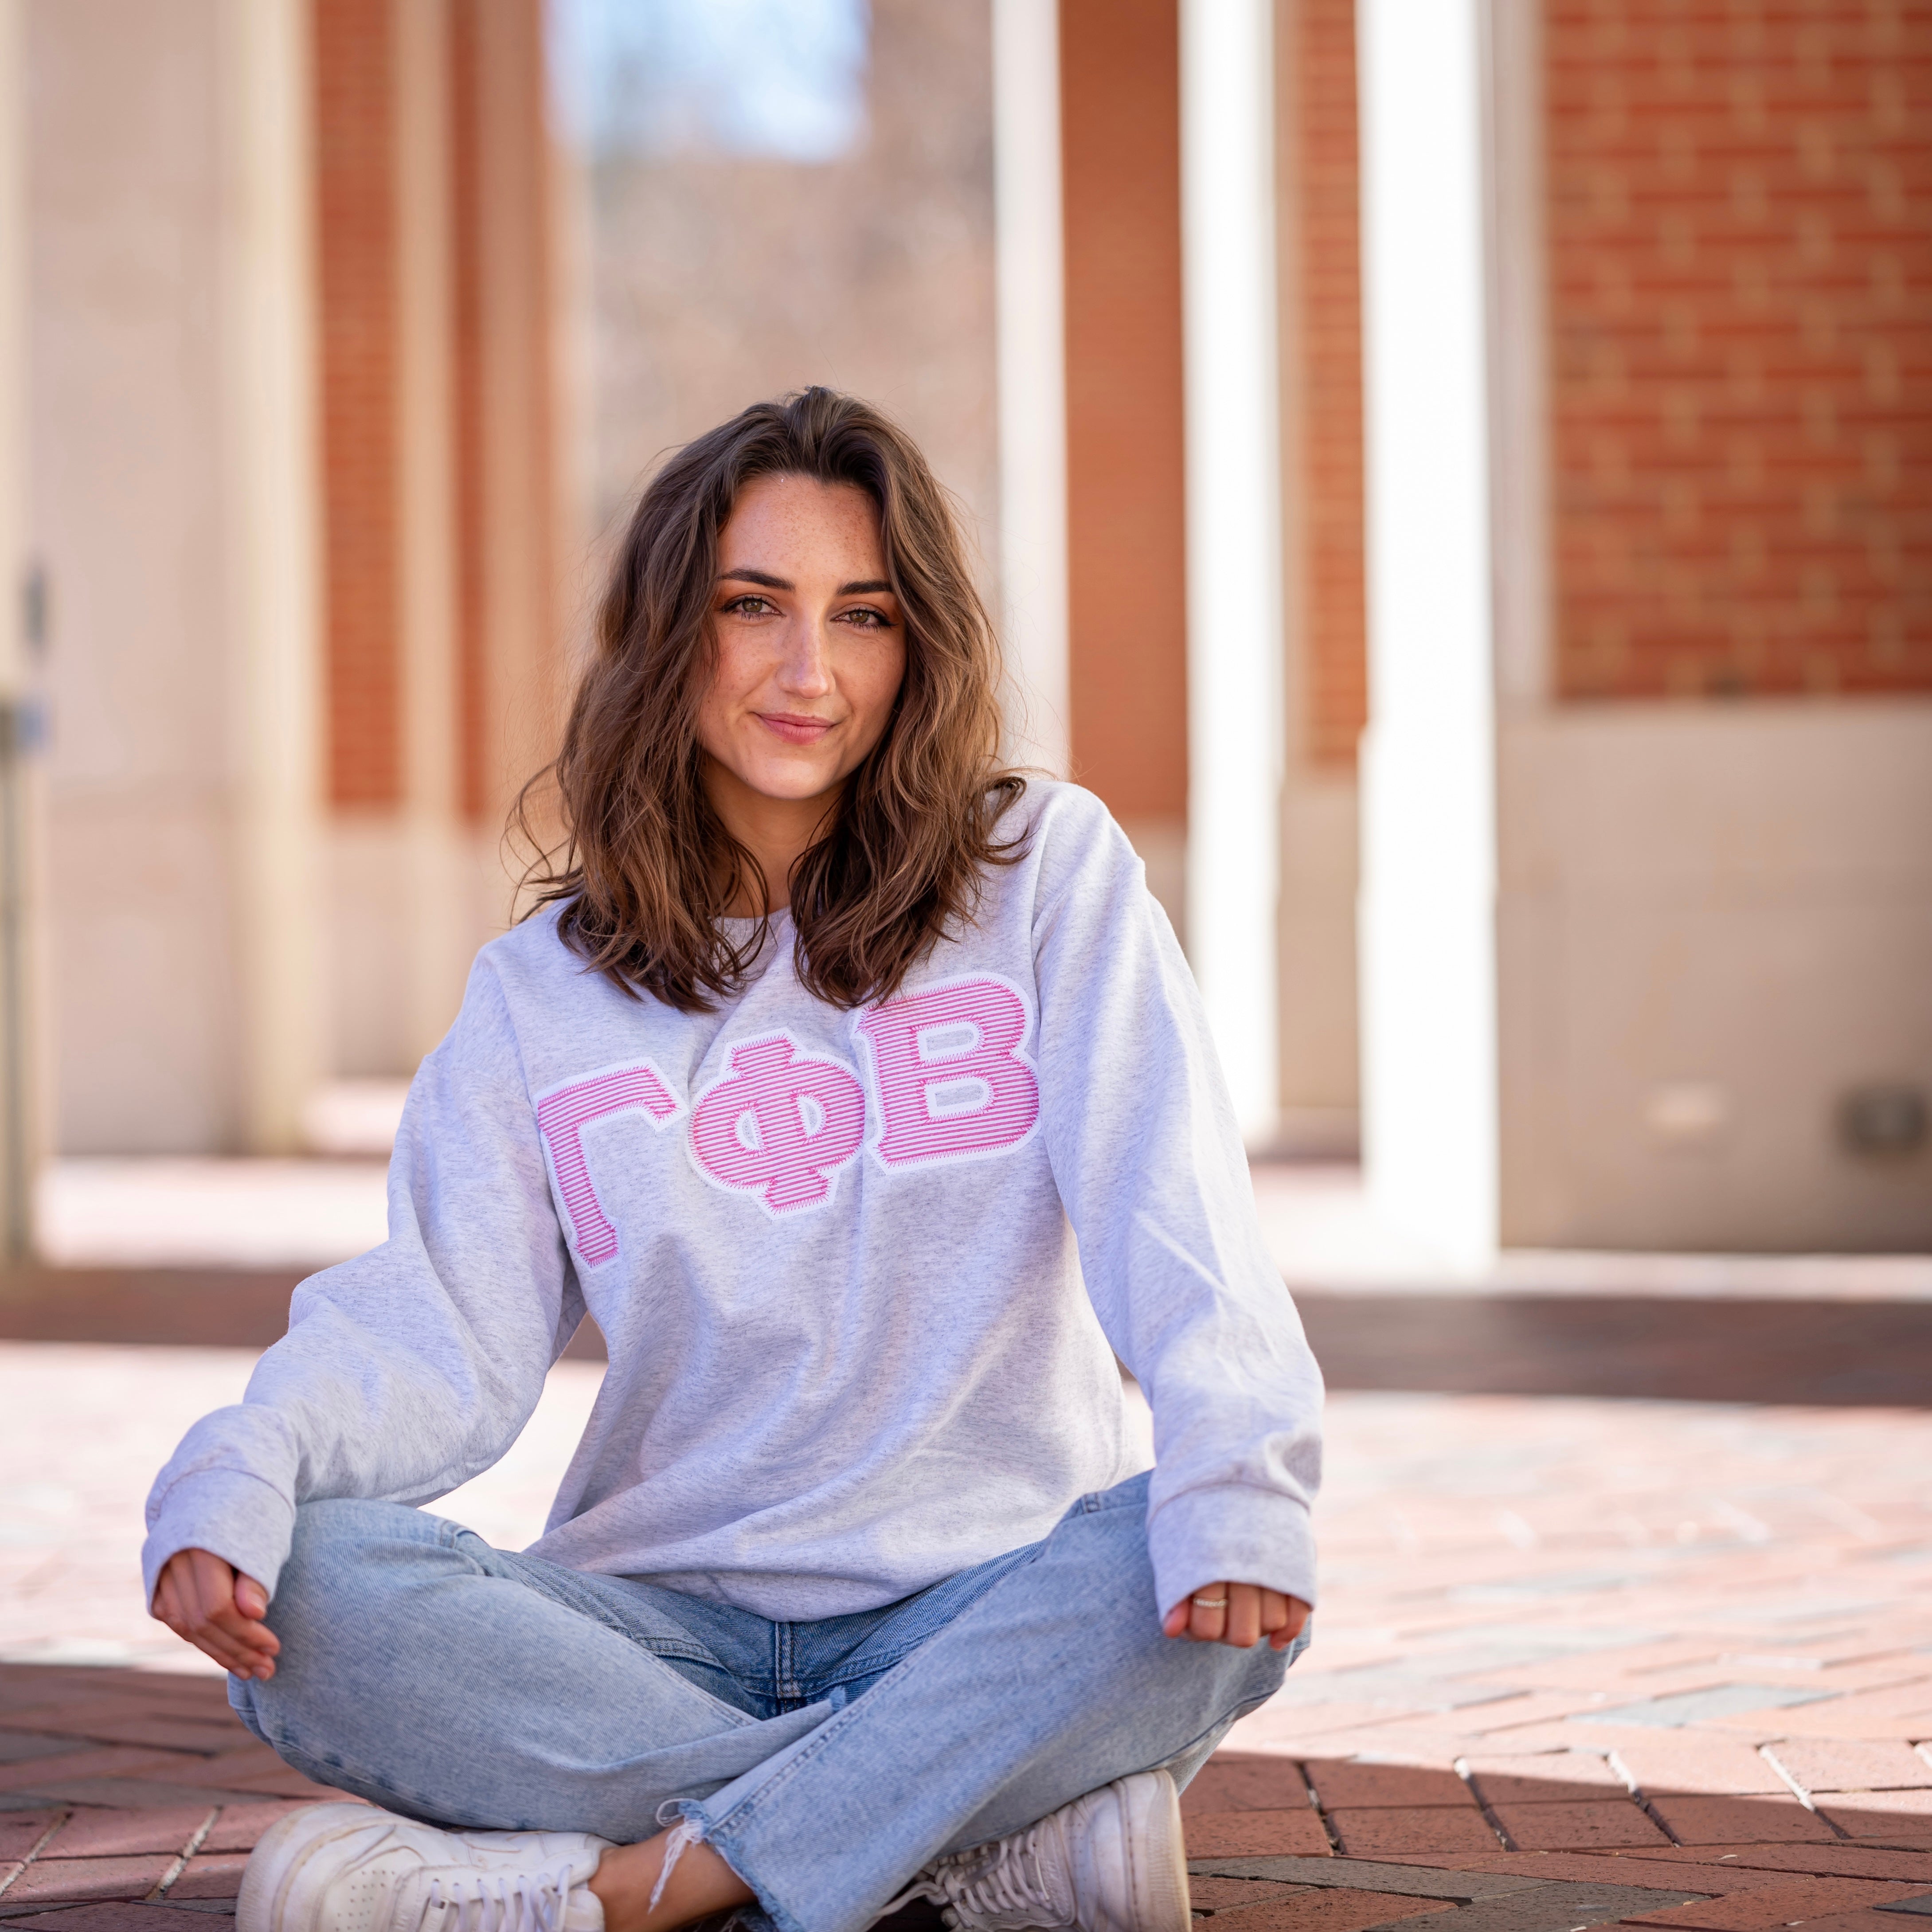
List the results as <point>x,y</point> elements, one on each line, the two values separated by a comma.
<point>778,1124</point>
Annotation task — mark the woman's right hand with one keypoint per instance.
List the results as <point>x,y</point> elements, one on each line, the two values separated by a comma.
<point>199,1597</point>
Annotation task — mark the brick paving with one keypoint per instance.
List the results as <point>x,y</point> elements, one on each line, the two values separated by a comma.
<point>1589,1662</point>
<point>1579,1662</point>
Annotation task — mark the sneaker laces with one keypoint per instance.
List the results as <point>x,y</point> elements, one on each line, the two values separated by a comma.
<point>508,1901</point>
<point>1004,1882</point>
<point>678,1840</point>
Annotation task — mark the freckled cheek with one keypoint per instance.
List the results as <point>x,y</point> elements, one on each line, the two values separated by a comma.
<point>734,688</point>
<point>881,689</point>
<point>724,720</point>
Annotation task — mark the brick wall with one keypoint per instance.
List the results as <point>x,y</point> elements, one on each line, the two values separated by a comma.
<point>1127,504</point>
<point>1740,279</point>
<point>511,669</point>
<point>1323,281</point>
<point>1126,567</point>
<point>354,77</point>
<point>466,299</point>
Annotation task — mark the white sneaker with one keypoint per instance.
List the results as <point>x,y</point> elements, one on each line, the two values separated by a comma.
<point>1111,1862</point>
<point>353,1868</point>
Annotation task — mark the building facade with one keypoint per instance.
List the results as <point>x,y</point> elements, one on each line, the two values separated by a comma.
<point>1605,463</point>
<point>1458,475</point>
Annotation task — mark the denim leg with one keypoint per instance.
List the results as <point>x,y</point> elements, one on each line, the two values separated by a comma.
<point>1053,1682</point>
<point>437,1677</point>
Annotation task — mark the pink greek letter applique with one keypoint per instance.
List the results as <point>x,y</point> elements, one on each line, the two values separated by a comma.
<point>953,1084</point>
<point>562,1117</point>
<point>778,1124</point>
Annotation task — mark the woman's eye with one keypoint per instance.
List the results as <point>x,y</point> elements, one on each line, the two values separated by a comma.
<point>864,620</point>
<point>748,607</point>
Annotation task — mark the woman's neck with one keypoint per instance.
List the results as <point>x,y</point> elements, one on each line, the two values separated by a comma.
<point>777,832</point>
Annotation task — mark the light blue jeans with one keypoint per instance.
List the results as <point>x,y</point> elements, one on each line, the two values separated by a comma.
<point>827,1762</point>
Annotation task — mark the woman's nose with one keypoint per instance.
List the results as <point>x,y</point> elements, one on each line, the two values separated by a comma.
<point>806,669</point>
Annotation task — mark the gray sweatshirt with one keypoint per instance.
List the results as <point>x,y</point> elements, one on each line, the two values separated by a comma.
<point>863,1276</point>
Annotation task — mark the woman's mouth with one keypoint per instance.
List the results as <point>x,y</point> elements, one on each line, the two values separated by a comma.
<point>795,729</point>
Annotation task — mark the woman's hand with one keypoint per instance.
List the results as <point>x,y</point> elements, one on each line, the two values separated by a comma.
<point>1240,1614</point>
<point>200,1598</point>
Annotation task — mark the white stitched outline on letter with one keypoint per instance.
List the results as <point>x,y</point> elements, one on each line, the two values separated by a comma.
<point>562,1116</point>
<point>952,1082</point>
<point>778,1124</point>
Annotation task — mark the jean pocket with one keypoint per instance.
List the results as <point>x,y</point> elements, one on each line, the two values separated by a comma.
<point>1133,1494</point>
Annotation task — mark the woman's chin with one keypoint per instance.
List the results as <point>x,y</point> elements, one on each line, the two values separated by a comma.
<point>796,780</point>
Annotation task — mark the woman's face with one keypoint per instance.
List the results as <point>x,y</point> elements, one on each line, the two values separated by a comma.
<point>811,641</point>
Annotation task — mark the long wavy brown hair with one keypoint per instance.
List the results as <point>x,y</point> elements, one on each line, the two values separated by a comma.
<point>646,871</point>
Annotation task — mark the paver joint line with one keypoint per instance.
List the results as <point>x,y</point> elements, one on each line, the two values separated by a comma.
<point>33,1852</point>
<point>1559,1907</point>
<point>187,1851</point>
<point>1366,1875</point>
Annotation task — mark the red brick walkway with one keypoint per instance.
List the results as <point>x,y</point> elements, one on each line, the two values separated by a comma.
<point>1582,1662</point>
<point>1579,1662</point>
<point>125,1795</point>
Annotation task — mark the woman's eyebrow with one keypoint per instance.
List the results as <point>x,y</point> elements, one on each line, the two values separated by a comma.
<point>868,587</point>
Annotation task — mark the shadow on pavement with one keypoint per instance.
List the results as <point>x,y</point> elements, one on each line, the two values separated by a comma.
<point>1875,1353</point>
<point>203,1308</point>
<point>1836,1353</point>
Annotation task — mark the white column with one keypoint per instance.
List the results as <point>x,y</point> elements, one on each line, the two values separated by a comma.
<point>1428,905</point>
<point>1521,539</point>
<point>1031,273</point>
<point>439,934</point>
<point>21,1139</point>
<point>1234,721</point>
<point>274,538</point>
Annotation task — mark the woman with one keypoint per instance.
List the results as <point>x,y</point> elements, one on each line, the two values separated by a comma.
<point>858,1091</point>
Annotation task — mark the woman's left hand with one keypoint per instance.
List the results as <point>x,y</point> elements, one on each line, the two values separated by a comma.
<point>1240,1614</point>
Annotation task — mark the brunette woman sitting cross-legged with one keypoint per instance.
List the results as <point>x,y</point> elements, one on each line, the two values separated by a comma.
<point>857,1087</point>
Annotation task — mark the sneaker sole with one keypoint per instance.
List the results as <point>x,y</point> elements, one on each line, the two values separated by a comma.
<point>280,1854</point>
<point>1157,1850</point>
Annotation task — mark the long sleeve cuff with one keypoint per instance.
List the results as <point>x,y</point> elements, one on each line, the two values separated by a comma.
<point>1233,1533</point>
<point>240,1518</point>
